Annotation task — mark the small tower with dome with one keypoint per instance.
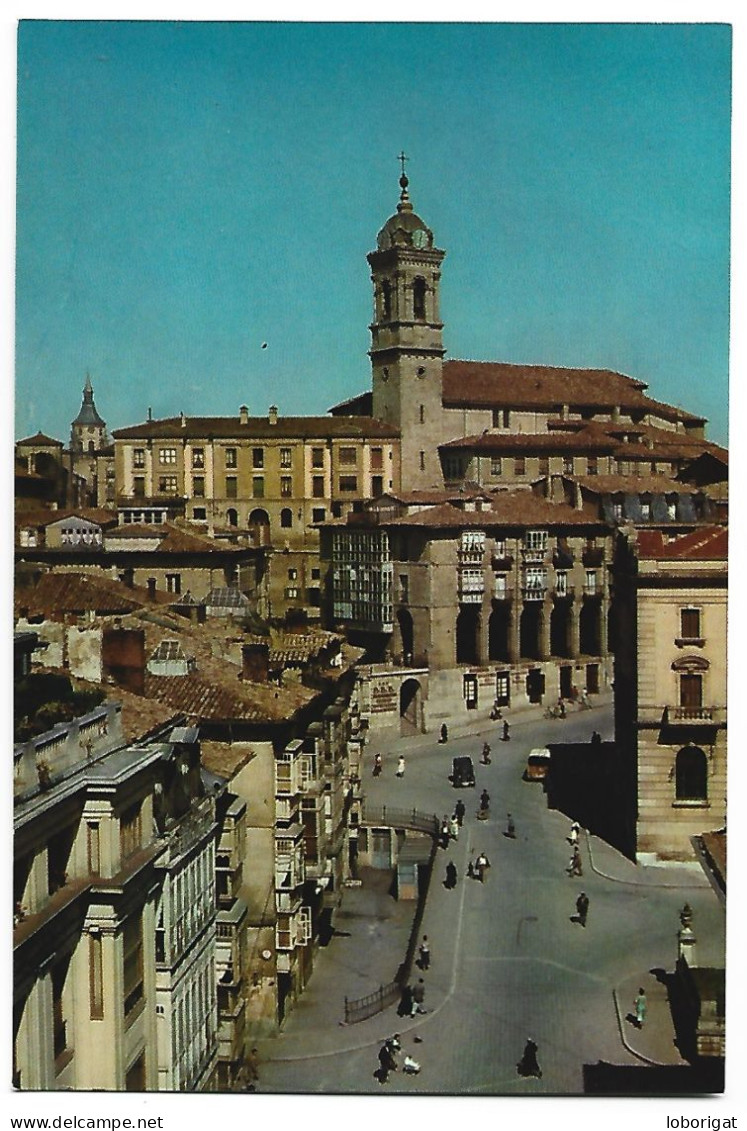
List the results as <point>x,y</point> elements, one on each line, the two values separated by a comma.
<point>406,338</point>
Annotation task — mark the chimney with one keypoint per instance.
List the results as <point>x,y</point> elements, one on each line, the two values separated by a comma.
<point>255,661</point>
<point>123,657</point>
<point>243,414</point>
<point>273,414</point>
<point>150,413</point>
<point>182,420</point>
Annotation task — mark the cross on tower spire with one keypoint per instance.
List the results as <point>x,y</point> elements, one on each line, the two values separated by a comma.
<point>404,197</point>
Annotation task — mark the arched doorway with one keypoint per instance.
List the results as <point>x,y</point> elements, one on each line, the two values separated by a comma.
<point>259,524</point>
<point>498,635</point>
<point>529,631</point>
<point>588,629</point>
<point>232,517</point>
<point>468,635</point>
<point>406,633</point>
<point>560,630</point>
<point>411,706</point>
<point>691,774</point>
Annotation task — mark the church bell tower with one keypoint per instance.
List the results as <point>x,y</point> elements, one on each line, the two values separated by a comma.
<point>406,339</point>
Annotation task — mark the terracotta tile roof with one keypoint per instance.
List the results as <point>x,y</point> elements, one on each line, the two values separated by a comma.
<point>509,508</point>
<point>506,385</point>
<point>359,405</point>
<point>215,692</point>
<point>224,759</point>
<point>431,497</point>
<point>41,518</point>
<point>40,440</point>
<point>587,440</point>
<point>503,384</point>
<point>259,427</point>
<point>705,544</point>
<point>137,530</point>
<point>632,484</point>
<point>172,539</point>
<point>76,593</point>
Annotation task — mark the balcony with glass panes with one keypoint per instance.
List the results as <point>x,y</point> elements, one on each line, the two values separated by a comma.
<point>534,547</point>
<point>534,584</point>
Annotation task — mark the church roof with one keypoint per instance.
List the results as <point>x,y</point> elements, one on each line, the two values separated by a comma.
<point>401,228</point>
<point>88,414</point>
<point>507,385</point>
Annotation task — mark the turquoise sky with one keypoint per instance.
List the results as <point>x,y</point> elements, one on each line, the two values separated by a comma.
<point>189,191</point>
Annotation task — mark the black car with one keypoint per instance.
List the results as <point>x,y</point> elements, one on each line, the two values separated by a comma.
<point>463,772</point>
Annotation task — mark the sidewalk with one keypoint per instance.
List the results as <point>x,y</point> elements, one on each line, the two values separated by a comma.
<point>654,1043</point>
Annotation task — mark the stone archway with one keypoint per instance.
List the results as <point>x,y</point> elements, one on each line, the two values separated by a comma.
<point>411,707</point>
<point>498,632</point>
<point>406,634</point>
<point>259,524</point>
<point>530,626</point>
<point>560,630</point>
<point>468,635</point>
<point>589,629</point>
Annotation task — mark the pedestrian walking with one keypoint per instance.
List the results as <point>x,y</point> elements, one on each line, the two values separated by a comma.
<point>506,735</point>
<point>481,866</point>
<point>388,1058</point>
<point>529,1065</point>
<point>484,801</point>
<point>573,834</point>
<point>574,864</point>
<point>640,1007</point>
<point>444,733</point>
<point>445,832</point>
<point>459,811</point>
<point>582,908</point>
<point>377,765</point>
<point>401,766</point>
<point>405,1007</point>
<point>251,1070</point>
<point>510,827</point>
<point>418,997</point>
<point>424,951</point>
<point>596,738</point>
<point>454,827</point>
<point>485,759</point>
<point>451,875</point>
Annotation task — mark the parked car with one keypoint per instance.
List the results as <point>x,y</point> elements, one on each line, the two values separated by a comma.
<point>538,763</point>
<point>462,772</point>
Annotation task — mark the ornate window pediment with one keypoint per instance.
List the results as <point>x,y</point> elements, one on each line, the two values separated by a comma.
<point>690,664</point>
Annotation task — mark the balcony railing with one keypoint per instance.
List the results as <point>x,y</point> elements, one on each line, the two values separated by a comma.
<point>679,716</point>
<point>562,559</point>
<point>502,562</point>
<point>564,592</point>
<point>691,715</point>
<point>533,555</point>
<point>470,556</point>
<point>534,592</point>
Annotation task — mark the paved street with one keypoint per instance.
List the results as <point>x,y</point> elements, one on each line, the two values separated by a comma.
<point>508,962</point>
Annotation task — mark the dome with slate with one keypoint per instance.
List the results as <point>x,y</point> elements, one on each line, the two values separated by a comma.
<point>405,228</point>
